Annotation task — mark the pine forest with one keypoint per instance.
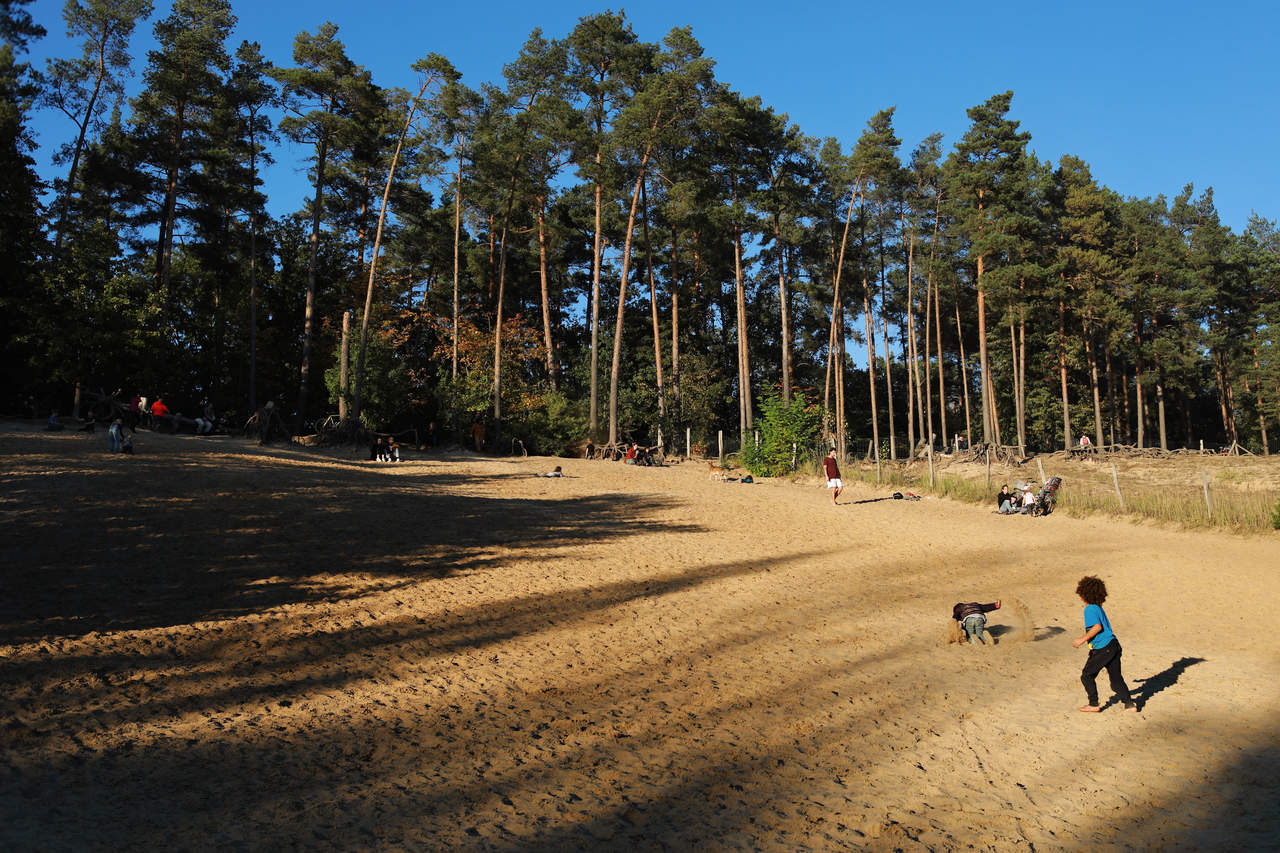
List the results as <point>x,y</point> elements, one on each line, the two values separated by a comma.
<point>608,242</point>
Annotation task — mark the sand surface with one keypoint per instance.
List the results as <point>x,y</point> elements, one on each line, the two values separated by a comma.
<point>214,646</point>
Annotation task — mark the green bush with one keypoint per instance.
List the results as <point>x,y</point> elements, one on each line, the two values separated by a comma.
<point>1275,517</point>
<point>783,430</point>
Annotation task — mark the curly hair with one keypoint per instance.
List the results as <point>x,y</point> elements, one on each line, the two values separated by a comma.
<point>1092,590</point>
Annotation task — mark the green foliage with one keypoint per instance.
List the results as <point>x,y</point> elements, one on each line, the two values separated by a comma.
<point>386,381</point>
<point>554,427</point>
<point>1275,516</point>
<point>783,428</point>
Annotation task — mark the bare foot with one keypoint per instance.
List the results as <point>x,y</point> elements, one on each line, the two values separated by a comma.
<point>1132,709</point>
<point>1089,709</point>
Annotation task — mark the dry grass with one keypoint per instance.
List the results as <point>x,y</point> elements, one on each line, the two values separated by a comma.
<point>1244,491</point>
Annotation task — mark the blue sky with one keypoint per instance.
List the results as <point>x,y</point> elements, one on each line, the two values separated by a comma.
<point>1152,95</point>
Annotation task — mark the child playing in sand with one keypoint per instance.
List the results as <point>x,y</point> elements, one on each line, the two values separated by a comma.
<point>972,617</point>
<point>1104,648</point>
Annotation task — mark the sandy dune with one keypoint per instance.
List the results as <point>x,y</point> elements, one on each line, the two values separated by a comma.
<point>209,645</point>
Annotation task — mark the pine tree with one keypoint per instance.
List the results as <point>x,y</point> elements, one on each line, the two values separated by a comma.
<point>985,178</point>
<point>83,87</point>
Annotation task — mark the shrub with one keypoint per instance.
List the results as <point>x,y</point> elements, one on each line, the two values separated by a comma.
<point>783,430</point>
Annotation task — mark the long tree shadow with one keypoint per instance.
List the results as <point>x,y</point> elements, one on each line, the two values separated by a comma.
<point>94,545</point>
<point>332,780</point>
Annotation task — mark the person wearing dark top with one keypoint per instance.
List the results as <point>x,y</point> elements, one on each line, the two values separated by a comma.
<point>1004,501</point>
<point>972,616</point>
<point>832,470</point>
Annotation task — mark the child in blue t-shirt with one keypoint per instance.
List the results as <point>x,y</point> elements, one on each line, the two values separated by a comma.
<point>1104,648</point>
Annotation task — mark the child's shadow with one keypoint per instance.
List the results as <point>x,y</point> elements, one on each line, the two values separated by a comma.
<point>1162,680</point>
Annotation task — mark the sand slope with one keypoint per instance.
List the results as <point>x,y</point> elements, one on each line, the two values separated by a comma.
<point>214,646</point>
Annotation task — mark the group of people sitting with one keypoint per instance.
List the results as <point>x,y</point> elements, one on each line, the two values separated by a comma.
<point>158,415</point>
<point>1015,502</point>
<point>633,455</point>
<point>384,450</point>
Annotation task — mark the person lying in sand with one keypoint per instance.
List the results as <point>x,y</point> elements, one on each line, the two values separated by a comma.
<point>555,473</point>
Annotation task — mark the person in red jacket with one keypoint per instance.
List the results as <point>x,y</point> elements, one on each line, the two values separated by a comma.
<point>160,413</point>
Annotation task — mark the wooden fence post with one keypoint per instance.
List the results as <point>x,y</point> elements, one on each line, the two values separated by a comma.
<point>721,434</point>
<point>930,453</point>
<point>1115,478</point>
<point>688,442</point>
<point>1040,465</point>
<point>1208,501</point>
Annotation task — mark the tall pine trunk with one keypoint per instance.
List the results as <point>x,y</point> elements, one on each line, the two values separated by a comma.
<point>308,323</point>
<point>964,377</point>
<point>615,372</point>
<point>457,239</point>
<point>653,304</point>
<point>377,245</point>
<point>1062,371</point>
<point>552,376</point>
<point>783,310</point>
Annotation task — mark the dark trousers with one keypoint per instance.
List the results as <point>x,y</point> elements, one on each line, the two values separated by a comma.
<point>1107,657</point>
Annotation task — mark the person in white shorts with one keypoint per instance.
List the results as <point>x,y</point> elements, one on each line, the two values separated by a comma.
<point>833,475</point>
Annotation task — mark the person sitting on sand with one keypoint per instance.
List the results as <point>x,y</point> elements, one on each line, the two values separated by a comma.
<point>972,617</point>
<point>632,452</point>
<point>1104,648</point>
<point>832,469</point>
<point>1029,499</point>
<point>591,449</point>
<point>375,450</point>
<point>393,450</point>
<point>53,424</point>
<point>1004,501</point>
